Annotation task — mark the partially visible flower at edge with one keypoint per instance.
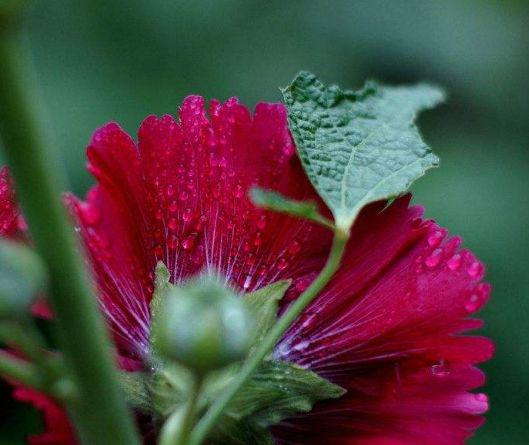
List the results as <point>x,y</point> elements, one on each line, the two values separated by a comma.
<point>387,327</point>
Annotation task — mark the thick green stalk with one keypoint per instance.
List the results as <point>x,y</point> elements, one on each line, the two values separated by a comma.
<point>99,412</point>
<point>204,426</point>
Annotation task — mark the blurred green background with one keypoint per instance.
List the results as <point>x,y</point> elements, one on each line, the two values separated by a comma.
<point>121,60</point>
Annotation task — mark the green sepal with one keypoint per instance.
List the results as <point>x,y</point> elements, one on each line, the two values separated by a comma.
<point>135,387</point>
<point>276,391</point>
<point>263,304</point>
<point>162,286</point>
<point>362,146</point>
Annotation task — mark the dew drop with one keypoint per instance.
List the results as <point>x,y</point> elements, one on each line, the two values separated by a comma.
<point>416,223</point>
<point>187,215</point>
<point>282,264</point>
<point>21,223</point>
<point>472,303</point>
<point>183,195</point>
<point>173,224</point>
<point>475,270</point>
<point>89,213</point>
<point>454,263</point>
<point>435,238</point>
<point>172,242</point>
<point>158,251</point>
<point>301,345</point>
<point>434,258</point>
<point>480,397</point>
<point>239,192</point>
<point>250,260</point>
<point>258,241</point>
<point>247,282</point>
<point>188,242</point>
<point>173,207</point>
<point>294,248</point>
<point>441,369</point>
<point>261,223</point>
<point>159,214</point>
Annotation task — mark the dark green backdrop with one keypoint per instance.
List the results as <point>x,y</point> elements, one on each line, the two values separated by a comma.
<point>100,60</point>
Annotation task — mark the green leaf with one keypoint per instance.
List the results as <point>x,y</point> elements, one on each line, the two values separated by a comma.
<point>276,391</point>
<point>243,434</point>
<point>263,305</point>
<point>302,209</point>
<point>162,286</point>
<point>360,146</point>
<point>279,390</point>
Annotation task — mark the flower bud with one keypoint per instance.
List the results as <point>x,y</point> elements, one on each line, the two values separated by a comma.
<point>21,276</point>
<point>203,326</point>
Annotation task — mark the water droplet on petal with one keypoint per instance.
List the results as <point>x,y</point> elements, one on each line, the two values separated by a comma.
<point>472,303</point>
<point>475,270</point>
<point>282,264</point>
<point>239,191</point>
<point>440,369</point>
<point>187,215</point>
<point>172,242</point>
<point>294,248</point>
<point>261,223</point>
<point>188,242</point>
<point>89,213</point>
<point>434,258</point>
<point>173,224</point>
<point>435,238</point>
<point>247,282</point>
<point>480,397</point>
<point>301,345</point>
<point>454,263</point>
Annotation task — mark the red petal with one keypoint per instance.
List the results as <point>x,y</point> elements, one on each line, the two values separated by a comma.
<point>12,224</point>
<point>385,329</point>
<point>180,196</point>
<point>58,428</point>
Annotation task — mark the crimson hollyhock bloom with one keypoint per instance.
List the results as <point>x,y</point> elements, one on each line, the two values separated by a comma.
<point>387,328</point>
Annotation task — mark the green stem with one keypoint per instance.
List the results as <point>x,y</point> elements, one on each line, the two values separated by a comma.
<point>202,429</point>
<point>25,337</point>
<point>99,412</point>
<point>21,371</point>
<point>179,424</point>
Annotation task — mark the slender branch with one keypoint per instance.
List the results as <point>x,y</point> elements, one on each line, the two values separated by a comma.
<point>25,337</point>
<point>99,413</point>
<point>21,371</point>
<point>204,426</point>
<point>179,424</point>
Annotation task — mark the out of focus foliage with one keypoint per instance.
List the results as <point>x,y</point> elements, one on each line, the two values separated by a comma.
<point>123,59</point>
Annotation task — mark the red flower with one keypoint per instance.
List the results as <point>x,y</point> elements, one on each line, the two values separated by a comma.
<point>387,328</point>
<point>58,428</point>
